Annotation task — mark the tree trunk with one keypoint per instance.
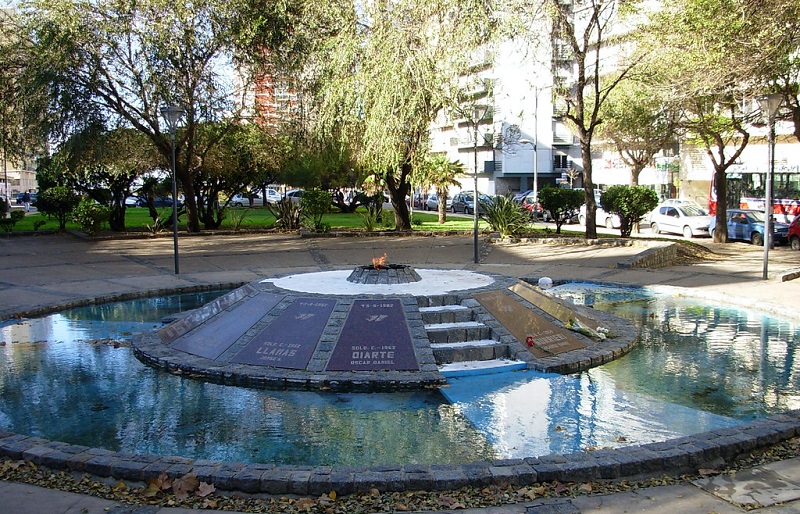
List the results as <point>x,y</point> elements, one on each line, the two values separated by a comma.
<point>441,207</point>
<point>588,188</point>
<point>720,234</point>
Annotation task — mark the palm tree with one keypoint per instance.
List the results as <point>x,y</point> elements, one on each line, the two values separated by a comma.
<point>440,173</point>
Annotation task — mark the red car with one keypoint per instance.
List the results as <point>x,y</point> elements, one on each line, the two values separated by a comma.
<point>794,233</point>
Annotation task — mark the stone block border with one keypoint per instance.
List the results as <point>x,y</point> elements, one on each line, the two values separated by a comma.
<point>674,457</point>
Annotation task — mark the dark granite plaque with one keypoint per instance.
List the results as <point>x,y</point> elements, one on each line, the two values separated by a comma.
<point>375,337</point>
<point>174,330</point>
<point>290,340</point>
<point>217,334</point>
<point>555,307</point>
<point>546,339</point>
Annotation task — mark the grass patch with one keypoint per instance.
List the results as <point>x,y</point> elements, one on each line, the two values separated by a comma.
<point>137,219</point>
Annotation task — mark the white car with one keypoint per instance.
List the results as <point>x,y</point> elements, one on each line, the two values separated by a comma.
<point>686,219</point>
<point>603,218</point>
<point>294,195</point>
<point>273,197</point>
<point>432,204</point>
<point>243,201</point>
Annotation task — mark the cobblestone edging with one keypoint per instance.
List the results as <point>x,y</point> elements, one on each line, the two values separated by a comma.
<point>674,457</point>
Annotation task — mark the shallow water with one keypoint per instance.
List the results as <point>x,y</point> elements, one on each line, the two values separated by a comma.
<point>70,377</point>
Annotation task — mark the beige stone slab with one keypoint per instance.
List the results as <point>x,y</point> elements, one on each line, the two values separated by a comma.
<point>552,306</point>
<point>674,499</point>
<point>763,486</point>
<point>522,322</point>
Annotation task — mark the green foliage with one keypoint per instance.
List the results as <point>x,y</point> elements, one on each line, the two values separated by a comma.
<point>561,203</point>
<point>237,217</point>
<point>7,224</point>
<point>314,204</point>
<point>287,214</point>
<point>58,202</point>
<point>90,216</point>
<point>4,207</point>
<point>630,203</point>
<point>504,215</point>
<point>39,224</point>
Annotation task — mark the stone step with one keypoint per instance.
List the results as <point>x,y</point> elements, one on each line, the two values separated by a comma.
<point>457,332</point>
<point>446,314</point>
<point>471,368</point>
<point>471,350</point>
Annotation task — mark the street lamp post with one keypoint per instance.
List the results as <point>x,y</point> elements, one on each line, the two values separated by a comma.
<point>172,115</point>
<point>769,105</point>
<point>479,111</point>
<point>535,172</point>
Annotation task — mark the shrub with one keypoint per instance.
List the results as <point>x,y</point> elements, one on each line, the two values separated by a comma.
<point>630,203</point>
<point>90,216</point>
<point>504,215</point>
<point>287,214</point>
<point>58,202</point>
<point>314,204</point>
<point>7,224</point>
<point>561,203</point>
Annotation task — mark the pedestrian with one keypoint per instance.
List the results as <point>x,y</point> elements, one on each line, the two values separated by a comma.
<point>26,201</point>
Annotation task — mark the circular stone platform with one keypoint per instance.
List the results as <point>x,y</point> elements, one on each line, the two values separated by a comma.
<point>321,330</point>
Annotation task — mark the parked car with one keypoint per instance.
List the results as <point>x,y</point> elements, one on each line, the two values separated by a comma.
<point>432,204</point>
<point>535,208</point>
<point>294,195</point>
<point>161,201</point>
<point>603,218</point>
<point>519,197</point>
<point>18,199</point>
<point>134,201</point>
<point>463,202</point>
<point>748,225</point>
<point>686,219</point>
<point>794,233</point>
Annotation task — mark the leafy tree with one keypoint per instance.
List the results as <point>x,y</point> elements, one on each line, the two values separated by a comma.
<point>630,203</point>
<point>58,202</point>
<point>104,165</point>
<point>439,172</point>
<point>705,62</point>
<point>638,123</point>
<point>123,61</point>
<point>585,30</point>
<point>561,203</point>
<point>379,74</point>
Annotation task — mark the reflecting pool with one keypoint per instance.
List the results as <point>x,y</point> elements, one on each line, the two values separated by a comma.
<point>71,377</point>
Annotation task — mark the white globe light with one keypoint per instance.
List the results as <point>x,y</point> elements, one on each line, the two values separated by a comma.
<point>545,282</point>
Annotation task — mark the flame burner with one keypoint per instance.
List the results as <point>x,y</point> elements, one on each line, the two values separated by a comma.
<point>384,274</point>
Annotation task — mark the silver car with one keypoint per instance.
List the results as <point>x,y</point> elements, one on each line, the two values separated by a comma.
<point>687,220</point>
<point>432,203</point>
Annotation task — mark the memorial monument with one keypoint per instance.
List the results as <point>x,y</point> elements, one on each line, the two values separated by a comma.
<point>381,327</point>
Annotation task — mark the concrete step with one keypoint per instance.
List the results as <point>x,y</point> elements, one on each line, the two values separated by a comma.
<point>472,350</point>
<point>483,367</point>
<point>446,314</point>
<point>457,332</point>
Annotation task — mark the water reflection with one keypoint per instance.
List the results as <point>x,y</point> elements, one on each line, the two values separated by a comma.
<point>67,377</point>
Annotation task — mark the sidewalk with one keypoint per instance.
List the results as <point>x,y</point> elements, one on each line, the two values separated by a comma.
<point>39,272</point>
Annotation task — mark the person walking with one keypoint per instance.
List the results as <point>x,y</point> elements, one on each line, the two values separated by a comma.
<point>26,201</point>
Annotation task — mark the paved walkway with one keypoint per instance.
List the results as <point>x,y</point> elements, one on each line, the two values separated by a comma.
<point>38,272</point>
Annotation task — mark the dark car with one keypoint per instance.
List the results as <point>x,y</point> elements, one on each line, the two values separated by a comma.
<point>163,201</point>
<point>462,202</point>
<point>748,225</point>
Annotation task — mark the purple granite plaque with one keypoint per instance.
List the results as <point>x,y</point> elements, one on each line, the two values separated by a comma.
<point>374,337</point>
<point>290,340</point>
<point>217,334</point>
